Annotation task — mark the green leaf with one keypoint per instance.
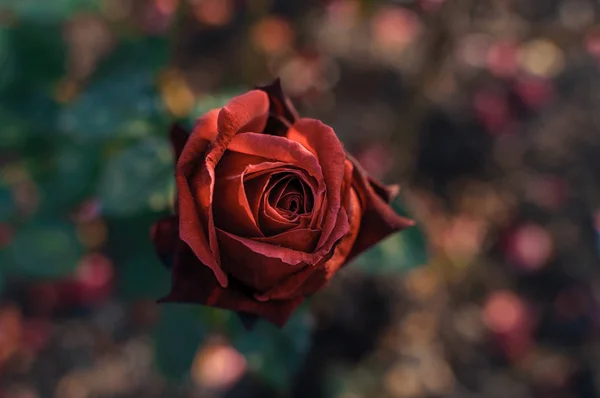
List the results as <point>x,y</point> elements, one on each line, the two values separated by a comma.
<point>7,206</point>
<point>138,178</point>
<point>70,178</point>
<point>274,353</point>
<point>43,10</point>
<point>398,253</point>
<point>14,131</point>
<point>43,250</point>
<point>39,53</point>
<point>122,98</point>
<point>177,338</point>
<point>108,105</point>
<point>7,58</point>
<point>141,274</point>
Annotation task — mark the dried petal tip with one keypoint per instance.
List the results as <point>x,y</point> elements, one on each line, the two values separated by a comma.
<point>280,104</point>
<point>178,136</point>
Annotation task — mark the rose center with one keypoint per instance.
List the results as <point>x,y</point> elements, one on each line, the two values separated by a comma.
<point>290,196</point>
<point>291,202</point>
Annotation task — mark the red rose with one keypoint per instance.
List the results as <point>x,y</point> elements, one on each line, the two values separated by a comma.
<point>269,208</point>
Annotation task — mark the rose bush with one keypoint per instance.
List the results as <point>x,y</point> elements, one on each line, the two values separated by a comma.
<point>269,207</point>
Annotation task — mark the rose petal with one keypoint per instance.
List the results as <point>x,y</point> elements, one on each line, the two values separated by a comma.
<point>193,227</point>
<point>178,137</point>
<point>165,235</point>
<point>386,192</point>
<point>291,286</point>
<point>194,283</point>
<point>321,140</point>
<point>301,239</point>
<point>347,228</point>
<point>282,111</point>
<point>273,220</point>
<point>205,130</point>
<point>285,151</point>
<point>255,190</point>
<point>341,254</point>
<point>247,111</point>
<point>231,208</point>
<point>257,264</point>
<point>379,220</point>
<point>279,149</point>
<point>260,178</point>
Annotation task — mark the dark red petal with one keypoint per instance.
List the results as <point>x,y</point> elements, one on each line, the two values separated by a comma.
<point>286,151</point>
<point>257,264</point>
<point>341,254</point>
<point>322,141</point>
<point>205,130</point>
<point>193,227</point>
<point>279,149</point>
<point>231,207</point>
<point>245,113</point>
<point>280,107</point>
<point>379,220</point>
<point>292,285</point>
<point>386,192</point>
<point>305,283</point>
<point>255,190</point>
<point>197,166</point>
<point>300,239</point>
<point>195,283</point>
<point>165,235</point>
<point>178,137</point>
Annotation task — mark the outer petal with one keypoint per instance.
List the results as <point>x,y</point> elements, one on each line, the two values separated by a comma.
<point>257,264</point>
<point>192,227</point>
<point>379,220</point>
<point>205,130</point>
<point>247,111</point>
<point>195,283</point>
<point>291,286</point>
<point>178,137</point>
<point>165,236</point>
<point>300,239</point>
<point>282,113</point>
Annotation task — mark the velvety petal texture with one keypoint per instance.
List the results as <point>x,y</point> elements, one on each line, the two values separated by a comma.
<point>269,207</point>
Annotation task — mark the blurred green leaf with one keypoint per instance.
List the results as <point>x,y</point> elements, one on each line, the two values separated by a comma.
<point>108,105</point>
<point>178,336</point>
<point>14,134</point>
<point>137,178</point>
<point>7,58</point>
<point>274,353</point>
<point>32,60</point>
<point>45,10</point>
<point>122,98</point>
<point>7,206</point>
<point>141,274</point>
<point>43,250</point>
<point>398,253</point>
<point>209,102</point>
<point>39,51</point>
<point>66,177</point>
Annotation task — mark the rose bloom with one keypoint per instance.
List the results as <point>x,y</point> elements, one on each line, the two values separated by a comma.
<point>269,207</point>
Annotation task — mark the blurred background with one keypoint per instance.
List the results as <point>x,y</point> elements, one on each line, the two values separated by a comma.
<point>486,111</point>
